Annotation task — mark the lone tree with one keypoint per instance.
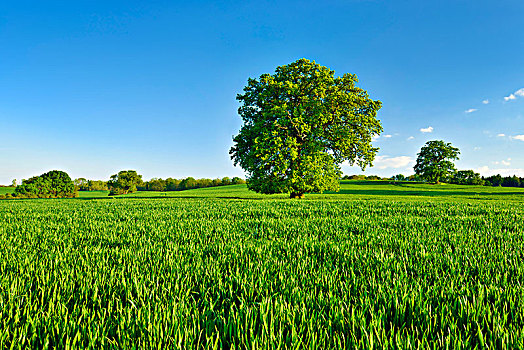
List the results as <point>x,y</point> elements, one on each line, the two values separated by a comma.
<point>434,160</point>
<point>300,124</point>
<point>124,182</point>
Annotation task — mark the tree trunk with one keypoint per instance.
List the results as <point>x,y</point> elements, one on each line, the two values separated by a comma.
<point>296,195</point>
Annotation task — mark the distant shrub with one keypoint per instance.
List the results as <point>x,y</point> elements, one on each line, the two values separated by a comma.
<point>53,184</point>
<point>399,177</point>
<point>354,177</point>
<point>126,181</point>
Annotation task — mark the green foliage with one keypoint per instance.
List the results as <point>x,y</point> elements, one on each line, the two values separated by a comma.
<point>97,185</point>
<point>172,184</point>
<point>466,177</point>
<point>124,182</point>
<point>188,183</point>
<point>264,274</point>
<point>511,181</point>
<point>300,123</point>
<point>53,184</point>
<point>156,184</point>
<point>81,184</point>
<point>237,181</point>
<point>399,177</point>
<point>169,184</point>
<point>434,160</point>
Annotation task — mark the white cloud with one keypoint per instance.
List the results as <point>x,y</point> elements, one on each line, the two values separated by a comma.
<point>501,135</point>
<point>517,137</point>
<point>513,96</point>
<point>471,110</point>
<point>375,137</point>
<point>477,148</point>
<point>510,97</point>
<point>387,136</point>
<point>410,138</point>
<point>384,162</point>
<point>487,171</point>
<point>485,102</point>
<point>428,129</point>
<point>505,162</point>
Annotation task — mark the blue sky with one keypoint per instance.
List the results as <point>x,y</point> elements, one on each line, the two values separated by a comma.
<point>94,87</point>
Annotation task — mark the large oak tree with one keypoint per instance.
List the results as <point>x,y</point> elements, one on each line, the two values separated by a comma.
<point>299,125</point>
<point>435,160</point>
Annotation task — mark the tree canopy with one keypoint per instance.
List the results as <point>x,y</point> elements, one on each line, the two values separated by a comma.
<point>53,184</point>
<point>299,125</point>
<point>466,177</point>
<point>434,161</point>
<point>124,182</point>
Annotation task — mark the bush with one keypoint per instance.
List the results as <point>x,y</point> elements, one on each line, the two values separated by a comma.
<point>53,184</point>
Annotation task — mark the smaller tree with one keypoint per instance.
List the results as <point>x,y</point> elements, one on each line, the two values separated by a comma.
<point>124,182</point>
<point>237,181</point>
<point>13,183</point>
<point>399,177</point>
<point>81,184</point>
<point>434,160</point>
<point>97,185</point>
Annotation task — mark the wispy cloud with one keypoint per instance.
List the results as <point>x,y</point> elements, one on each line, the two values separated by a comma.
<point>485,102</point>
<point>387,136</point>
<point>501,135</point>
<point>384,162</point>
<point>487,171</point>
<point>471,110</point>
<point>517,137</point>
<point>506,162</point>
<point>410,138</point>
<point>513,96</point>
<point>428,129</point>
<point>375,137</point>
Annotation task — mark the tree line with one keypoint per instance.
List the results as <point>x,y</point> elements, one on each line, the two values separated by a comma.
<point>58,184</point>
<point>117,183</point>
<point>461,177</point>
<point>188,183</point>
<point>469,177</point>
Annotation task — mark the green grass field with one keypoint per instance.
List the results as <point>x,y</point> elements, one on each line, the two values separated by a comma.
<point>349,190</point>
<point>376,266</point>
<point>4,190</point>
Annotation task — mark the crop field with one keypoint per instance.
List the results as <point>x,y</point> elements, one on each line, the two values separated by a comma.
<point>375,266</point>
